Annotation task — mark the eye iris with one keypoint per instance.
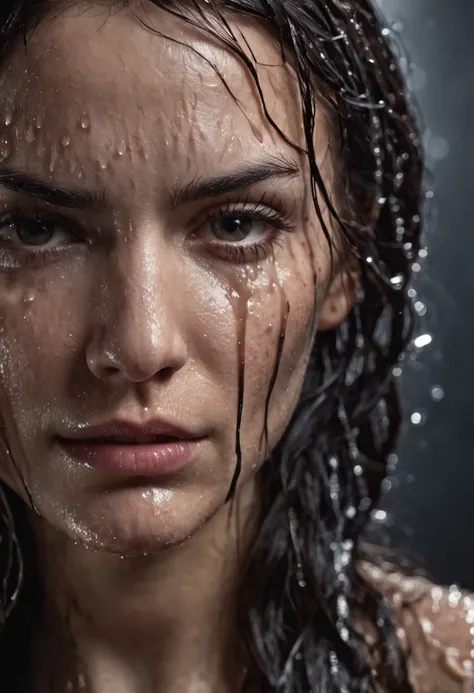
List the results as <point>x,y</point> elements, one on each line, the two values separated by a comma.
<point>34,232</point>
<point>231,227</point>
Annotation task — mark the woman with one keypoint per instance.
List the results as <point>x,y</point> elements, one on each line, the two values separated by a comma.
<point>197,343</point>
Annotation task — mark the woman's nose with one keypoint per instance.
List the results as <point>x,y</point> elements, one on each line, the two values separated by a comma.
<point>138,331</point>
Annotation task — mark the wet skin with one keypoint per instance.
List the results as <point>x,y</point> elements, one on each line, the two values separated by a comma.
<point>153,300</point>
<point>151,303</point>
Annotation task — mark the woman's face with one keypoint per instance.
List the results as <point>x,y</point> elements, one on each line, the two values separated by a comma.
<point>145,298</point>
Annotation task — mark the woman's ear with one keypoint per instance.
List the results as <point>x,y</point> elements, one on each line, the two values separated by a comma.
<point>340,298</point>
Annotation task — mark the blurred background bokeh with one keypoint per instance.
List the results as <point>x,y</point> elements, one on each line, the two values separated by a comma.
<point>429,508</point>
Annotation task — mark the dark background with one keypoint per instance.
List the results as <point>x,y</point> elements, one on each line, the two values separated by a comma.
<point>430,507</point>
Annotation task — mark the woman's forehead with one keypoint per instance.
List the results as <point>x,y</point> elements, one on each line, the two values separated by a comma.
<point>102,79</point>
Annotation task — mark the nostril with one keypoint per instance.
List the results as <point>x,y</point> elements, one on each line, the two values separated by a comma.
<point>166,373</point>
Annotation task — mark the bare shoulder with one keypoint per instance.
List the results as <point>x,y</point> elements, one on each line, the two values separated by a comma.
<point>435,629</point>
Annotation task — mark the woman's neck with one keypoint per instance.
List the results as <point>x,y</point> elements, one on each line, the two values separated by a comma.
<point>147,624</point>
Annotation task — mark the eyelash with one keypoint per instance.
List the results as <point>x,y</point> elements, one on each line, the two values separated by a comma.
<point>32,258</point>
<point>257,211</point>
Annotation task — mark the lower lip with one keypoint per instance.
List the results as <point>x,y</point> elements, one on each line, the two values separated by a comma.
<point>132,458</point>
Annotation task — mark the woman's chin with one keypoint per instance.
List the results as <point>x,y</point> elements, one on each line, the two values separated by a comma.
<point>137,523</point>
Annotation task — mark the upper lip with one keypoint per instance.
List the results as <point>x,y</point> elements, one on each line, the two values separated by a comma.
<point>121,428</point>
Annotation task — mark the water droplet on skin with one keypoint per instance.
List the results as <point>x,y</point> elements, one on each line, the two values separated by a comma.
<point>30,135</point>
<point>29,297</point>
<point>54,155</point>
<point>8,117</point>
<point>455,666</point>
<point>85,122</point>
<point>66,141</point>
<point>454,597</point>
<point>121,148</point>
<point>5,148</point>
<point>426,625</point>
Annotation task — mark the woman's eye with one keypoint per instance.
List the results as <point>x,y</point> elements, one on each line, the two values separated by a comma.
<point>33,232</point>
<point>232,228</point>
<point>245,235</point>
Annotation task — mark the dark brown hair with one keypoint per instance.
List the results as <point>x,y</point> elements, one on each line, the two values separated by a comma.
<point>301,589</point>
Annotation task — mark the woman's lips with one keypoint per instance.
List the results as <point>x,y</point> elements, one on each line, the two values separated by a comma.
<point>153,458</point>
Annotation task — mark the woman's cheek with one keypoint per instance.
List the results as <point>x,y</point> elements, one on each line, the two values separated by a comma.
<point>41,337</point>
<point>278,345</point>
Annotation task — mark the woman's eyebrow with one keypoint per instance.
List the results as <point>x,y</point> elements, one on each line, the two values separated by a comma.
<point>76,198</point>
<point>245,175</point>
<point>199,188</point>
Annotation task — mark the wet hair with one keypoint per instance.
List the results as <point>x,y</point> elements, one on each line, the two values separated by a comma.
<point>303,593</point>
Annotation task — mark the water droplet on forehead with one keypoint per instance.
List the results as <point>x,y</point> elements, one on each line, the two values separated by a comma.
<point>30,135</point>
<point>84,122</point>
<point>5,148</point>
<point>8,117</point>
